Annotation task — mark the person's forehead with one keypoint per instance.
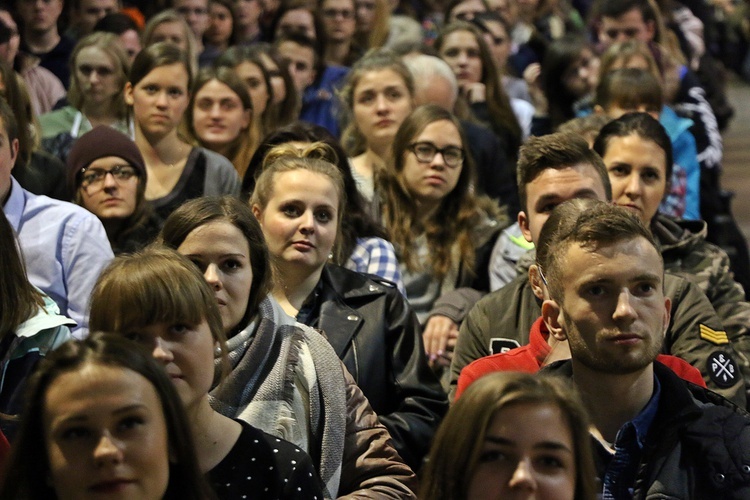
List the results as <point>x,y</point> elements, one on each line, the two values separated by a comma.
<point>339,3</point>
<point>594,259</point>
<point>201,3</point>
<point>552,179</point>
<point>97,3</point>
<point>633,16</point>
<point>293,50</point>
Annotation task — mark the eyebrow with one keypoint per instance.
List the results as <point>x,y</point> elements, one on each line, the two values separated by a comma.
<point>653,277</point>
<point>83,418</point>
<point>581,193</point>
<point>545,445</point>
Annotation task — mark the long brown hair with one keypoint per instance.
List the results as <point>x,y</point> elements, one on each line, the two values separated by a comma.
<point>201,211</point>
<point>28,469</point>
<point>503,119</point>
<point>452,222</point>
<point>458,442</point>
<point>19,299</point>
<point>244,145</point>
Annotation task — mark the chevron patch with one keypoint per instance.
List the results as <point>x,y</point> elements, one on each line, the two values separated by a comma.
<point>716,337</point>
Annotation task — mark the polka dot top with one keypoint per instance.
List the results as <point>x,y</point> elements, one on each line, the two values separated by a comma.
<point>261,466</point>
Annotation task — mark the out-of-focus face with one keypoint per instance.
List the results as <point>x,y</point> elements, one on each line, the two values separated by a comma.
<point>218,115</point>
<point>381,102</point>
<point>248,12</point>
<point>339,20</point>
<point>253,77</point>
<point>365,13</point>
<point>297,21</point>
<point>160,99</point>
<point>220,22</point>
<point>499,42</point>
<point>460,50</point>
<point>131,42</point>
<point>106,435</point>
<point>537,463</point>
<point>195,13</point>
<point>222,253</point>
<point>629,26</point>
<point>467,10</point>
<point>277,80</point>
<point>613,311</point>
<point>171,32</point>
<point>90,11</point>
<point>552,187</point>
<point>507,9</point>
<point>301,63</point>
<point>9,50</point>
<point>582,76</point>
<point>638,173</point>
<point>39,16</point>
<point>8,155</point>
<point>430,181</point>
<point>97,76</point>
<point>113,196</point>
<point>300,220</point>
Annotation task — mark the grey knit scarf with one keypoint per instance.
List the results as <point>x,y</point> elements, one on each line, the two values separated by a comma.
<point>265,359</point>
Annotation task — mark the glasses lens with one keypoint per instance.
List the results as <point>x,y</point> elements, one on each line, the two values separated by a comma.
<point>424,152</point>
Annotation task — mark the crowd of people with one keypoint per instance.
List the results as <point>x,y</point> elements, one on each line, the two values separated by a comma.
<point>370,249</point>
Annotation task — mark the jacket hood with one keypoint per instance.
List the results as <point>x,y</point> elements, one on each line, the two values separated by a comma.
<point>678,235</point>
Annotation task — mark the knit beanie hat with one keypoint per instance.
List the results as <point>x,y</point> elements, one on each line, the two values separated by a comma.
<point>101,142</point>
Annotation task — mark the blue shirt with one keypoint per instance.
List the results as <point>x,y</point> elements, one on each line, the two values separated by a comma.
<point>64,246</point>
<point>619,475</point>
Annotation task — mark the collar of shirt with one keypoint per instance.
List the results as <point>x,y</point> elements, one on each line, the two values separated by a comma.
<point>309,313</point>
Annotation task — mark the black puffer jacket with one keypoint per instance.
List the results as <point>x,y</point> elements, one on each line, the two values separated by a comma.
<point>698,446</point>
<point>377,336</point>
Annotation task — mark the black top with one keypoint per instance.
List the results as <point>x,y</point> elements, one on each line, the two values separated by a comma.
<point>262,466</point>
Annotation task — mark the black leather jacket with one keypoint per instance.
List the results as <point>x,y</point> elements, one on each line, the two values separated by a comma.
<point>698,445</point>
<point>377,336</point>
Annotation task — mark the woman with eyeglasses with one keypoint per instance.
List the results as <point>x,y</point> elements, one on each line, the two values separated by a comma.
<point>441,230</point>
<point>99,70</point>
<point>107,177</point>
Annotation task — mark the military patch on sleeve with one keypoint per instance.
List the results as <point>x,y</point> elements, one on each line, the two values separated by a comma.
<point>499,345</point>
<point>717,337</point>
<point>722,369</point>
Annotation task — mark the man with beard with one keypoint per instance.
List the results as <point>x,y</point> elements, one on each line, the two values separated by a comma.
<point>656,435</point>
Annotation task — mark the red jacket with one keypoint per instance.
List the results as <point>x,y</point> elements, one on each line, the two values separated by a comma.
<point>531,357</point>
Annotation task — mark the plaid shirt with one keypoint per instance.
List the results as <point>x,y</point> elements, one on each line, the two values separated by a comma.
<point>376,256</point>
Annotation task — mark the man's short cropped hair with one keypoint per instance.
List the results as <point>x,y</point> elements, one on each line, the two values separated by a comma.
<point>556,151</point>
<point>589,223</point>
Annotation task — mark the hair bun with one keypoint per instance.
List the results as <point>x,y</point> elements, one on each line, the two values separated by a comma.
<point>316,150</point>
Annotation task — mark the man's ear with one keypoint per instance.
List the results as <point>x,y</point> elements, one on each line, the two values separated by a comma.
<point>523,222</point>
<point>13,153</point>
<point>667,314</point>
<point>598,110</point>
<point>552,317</point>
<point>535,280</point>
